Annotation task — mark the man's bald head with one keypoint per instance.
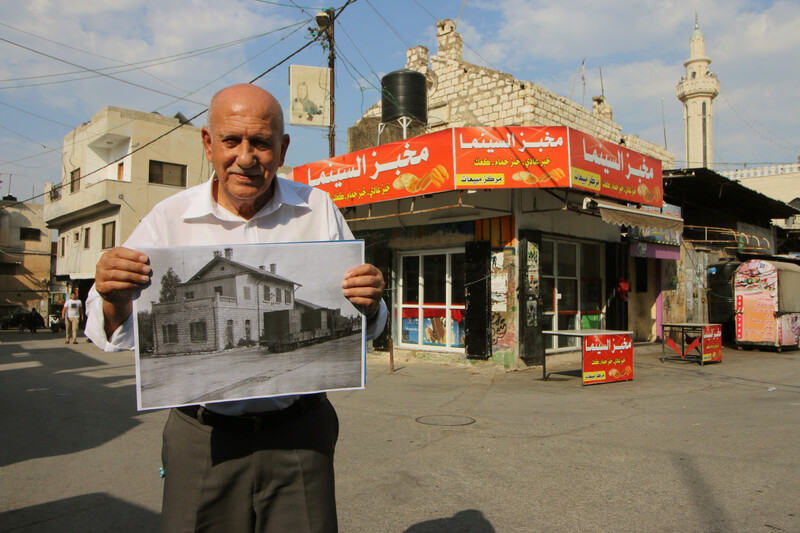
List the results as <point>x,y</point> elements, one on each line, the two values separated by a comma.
<point>246,93</point>
<point>245,143</point>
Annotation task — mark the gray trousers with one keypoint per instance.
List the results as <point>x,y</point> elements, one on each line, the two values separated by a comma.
<point>279,479</point>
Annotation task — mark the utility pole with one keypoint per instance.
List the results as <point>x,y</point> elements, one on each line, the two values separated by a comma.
<point>325,21</point>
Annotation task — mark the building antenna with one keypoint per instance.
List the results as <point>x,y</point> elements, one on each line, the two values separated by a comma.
<point>602,90</point>
<point>460,12</point>
<point>664,123</point>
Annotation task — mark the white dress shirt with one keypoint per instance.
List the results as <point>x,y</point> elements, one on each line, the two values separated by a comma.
<point>296,212</point>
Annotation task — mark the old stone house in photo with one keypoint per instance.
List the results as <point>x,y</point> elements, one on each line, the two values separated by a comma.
<point>223,305</point>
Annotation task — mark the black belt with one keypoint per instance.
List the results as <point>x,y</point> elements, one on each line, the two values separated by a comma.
<point>253,422</point>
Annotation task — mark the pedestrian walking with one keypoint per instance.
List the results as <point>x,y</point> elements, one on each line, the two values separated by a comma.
<point>72,313</point>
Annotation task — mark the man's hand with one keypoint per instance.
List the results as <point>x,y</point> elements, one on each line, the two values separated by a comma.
<point>119,272</point>
<point>363,286</point>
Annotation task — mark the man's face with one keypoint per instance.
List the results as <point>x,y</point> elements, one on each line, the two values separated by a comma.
<point>244,145</point>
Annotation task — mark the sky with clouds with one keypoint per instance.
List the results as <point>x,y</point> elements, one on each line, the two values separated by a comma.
<point>61,62</point>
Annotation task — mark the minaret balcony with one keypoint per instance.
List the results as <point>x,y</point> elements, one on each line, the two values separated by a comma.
<point>708,86</point>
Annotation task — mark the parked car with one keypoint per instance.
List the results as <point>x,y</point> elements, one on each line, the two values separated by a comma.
<point>14,321</point>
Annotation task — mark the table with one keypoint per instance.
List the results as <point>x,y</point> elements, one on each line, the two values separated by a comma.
<point>704,340</point>
<point>607,355</point>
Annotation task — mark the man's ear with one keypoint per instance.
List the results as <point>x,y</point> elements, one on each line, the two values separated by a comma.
<point>284,147</point>
<point>206,134</point>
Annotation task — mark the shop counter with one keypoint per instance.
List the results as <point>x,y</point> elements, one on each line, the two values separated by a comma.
<point>700,343</point>
<point>606,355</point>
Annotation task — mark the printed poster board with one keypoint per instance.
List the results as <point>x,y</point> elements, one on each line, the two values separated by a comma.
<point>222,323</point>
<point>712,343</point>
<point>607,358</point>
<point>755,293</point>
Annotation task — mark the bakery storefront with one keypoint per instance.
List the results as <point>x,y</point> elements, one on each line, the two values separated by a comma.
<point>487,236</point>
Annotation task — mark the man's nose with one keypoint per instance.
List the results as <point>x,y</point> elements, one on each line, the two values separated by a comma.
<point>246,156</point>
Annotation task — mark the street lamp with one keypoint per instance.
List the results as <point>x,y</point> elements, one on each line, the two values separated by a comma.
<point>325,21</point>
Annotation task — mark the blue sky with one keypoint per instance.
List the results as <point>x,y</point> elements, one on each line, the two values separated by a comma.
<point>168,56</point>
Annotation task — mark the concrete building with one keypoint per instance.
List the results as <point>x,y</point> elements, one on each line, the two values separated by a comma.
<point>116,167</point>
<point>24,258</point>
<point>697,92</point>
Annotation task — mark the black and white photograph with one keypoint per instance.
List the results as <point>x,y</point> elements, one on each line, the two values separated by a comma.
<point>222,323</point>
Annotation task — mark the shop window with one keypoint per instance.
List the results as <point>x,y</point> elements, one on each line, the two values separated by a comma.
<point>433,299</point>
<point>167,173</point>
<point>169,332</point>
<point>30,234</point>
<point>197,331</point>
<point>109,235</point>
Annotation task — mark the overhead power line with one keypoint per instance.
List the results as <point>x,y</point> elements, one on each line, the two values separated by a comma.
<point>137,65</point>
<point>91,70</point>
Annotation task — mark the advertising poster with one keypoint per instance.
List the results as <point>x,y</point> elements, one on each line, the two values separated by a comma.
<point>712,343</point>
<point>511,157</point>
<point>607,358</point>
<point>310,89</point>
<point>755,284</point>
<point>614,171</point>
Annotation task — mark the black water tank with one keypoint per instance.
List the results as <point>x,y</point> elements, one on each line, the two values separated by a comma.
<point>404,93</point>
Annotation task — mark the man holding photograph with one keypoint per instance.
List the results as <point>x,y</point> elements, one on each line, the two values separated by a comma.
<point>253,465</point>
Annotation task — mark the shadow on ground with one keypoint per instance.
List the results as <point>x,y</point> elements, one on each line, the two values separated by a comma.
<point>85,514</point>
<point>57,400</point>
<point>469,521</point>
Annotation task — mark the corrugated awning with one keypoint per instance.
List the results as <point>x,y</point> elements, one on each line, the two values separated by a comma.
<point>631,216</point>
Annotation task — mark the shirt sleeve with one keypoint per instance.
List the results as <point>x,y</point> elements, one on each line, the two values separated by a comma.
<point>95,329</point>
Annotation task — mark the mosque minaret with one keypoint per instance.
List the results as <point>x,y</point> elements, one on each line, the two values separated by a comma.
<point>697,92</point>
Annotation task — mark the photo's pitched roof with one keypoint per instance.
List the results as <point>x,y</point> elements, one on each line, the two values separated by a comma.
<point>305,303</point>
<point>257,272</point>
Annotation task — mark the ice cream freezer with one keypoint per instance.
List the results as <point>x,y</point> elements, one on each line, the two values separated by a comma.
<point>766,296</point>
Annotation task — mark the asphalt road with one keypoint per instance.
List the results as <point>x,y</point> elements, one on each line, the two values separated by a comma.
<point>242,373</point>
<point>437,447</point>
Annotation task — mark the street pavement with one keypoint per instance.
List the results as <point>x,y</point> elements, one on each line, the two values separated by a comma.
<point>437,447</point>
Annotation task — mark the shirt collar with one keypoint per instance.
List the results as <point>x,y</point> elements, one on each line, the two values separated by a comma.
<point>203,204</point>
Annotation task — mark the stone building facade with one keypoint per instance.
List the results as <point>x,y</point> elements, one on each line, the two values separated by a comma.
<point>464,94</point>
<point>222,306</point>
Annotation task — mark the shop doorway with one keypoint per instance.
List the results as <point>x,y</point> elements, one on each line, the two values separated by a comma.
<point>572,277</point>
